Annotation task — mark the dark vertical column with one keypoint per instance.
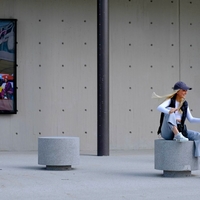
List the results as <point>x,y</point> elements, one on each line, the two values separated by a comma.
<point>103,77</point>
<point>179,27</point>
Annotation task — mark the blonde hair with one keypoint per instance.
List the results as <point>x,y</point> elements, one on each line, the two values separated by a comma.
<point>169,96</point>
<point>166,96</point>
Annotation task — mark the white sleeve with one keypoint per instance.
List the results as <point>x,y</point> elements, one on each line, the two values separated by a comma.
<point>163,107</point>
<point>191,118</point>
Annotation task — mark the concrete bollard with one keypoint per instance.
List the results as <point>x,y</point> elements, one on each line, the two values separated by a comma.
<point>58,153</point>
<point>175,158</point>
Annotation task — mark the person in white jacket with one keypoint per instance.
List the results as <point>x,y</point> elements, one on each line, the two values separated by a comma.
<point>175,110</point>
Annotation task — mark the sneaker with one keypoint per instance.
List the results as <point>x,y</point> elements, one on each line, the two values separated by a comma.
<point>180,138</point>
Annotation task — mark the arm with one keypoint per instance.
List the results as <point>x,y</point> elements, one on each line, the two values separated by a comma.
<point>191,118</point>
<point>163,106</point>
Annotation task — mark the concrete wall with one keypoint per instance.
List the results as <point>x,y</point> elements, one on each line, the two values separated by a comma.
<point>153,43</point>
<point>56,72</point>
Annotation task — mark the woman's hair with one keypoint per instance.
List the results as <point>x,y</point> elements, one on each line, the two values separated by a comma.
<point>169,96</point>
<point>166,96</point>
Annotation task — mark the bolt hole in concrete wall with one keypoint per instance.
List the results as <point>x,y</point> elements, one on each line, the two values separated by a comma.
<point>150,49</point>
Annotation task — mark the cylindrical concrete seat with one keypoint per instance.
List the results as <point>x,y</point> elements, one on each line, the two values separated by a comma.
<point>175,158</point>
<point>58,152</point>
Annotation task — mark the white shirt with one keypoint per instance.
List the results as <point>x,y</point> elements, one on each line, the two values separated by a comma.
<point>163,107</point>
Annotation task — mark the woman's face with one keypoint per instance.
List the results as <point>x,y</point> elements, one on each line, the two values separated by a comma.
<point>182,93</point>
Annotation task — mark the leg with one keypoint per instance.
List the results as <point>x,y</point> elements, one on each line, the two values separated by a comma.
<point>169,129</point>
<point>195,136</point>
<point>173,123</point>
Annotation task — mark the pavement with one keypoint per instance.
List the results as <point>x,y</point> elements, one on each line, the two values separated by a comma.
<point>124,175</point>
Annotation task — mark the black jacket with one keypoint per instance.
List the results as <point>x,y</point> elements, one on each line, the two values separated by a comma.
<point>172,105</point>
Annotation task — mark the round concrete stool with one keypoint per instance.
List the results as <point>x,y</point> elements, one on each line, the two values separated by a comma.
<point>58,153</point>
<point>175,158</point>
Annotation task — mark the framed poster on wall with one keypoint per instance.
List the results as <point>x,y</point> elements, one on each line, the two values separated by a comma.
<point>8,66</point>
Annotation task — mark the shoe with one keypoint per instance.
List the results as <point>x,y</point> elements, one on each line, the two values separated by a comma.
<point>180,138</point>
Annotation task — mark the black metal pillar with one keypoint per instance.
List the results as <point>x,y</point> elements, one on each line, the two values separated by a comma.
<point>103,77</point>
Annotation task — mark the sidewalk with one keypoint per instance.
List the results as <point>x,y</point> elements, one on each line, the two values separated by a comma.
<point>123,175</point>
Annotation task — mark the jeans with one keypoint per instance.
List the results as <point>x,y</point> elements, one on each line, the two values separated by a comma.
<point>166,132</point>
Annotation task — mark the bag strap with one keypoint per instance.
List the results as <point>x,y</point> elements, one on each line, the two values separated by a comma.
<point>161,121</point>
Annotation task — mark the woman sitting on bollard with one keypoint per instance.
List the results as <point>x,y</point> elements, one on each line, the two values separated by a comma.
<point>174,111</point>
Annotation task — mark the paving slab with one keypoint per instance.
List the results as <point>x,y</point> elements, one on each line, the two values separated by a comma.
<point>122,175</point>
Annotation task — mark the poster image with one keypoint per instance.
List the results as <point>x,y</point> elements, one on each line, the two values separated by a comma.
<point>7,66</point>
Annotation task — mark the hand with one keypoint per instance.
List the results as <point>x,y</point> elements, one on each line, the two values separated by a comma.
<point>172,110</point>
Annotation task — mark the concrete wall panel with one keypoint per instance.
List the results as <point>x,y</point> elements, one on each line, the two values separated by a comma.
<point>153,43</point>
<point>189,53</point>
<point>144,58</point>
<point>56,73</point>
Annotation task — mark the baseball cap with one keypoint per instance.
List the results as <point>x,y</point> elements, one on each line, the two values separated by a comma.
<point>181,85</point>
